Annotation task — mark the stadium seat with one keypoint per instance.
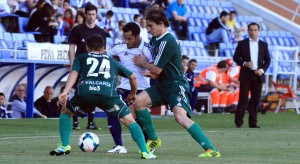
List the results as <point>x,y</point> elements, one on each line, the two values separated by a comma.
<point>191,21</point>
<point>287,42</point>
<point>289,95</point>
<point>200,44</point>
<point>274,41</point>
<point>3,53</point>
<point>198,22</point>
<point>293,41</point>
<point>196,37</point>
<point>19,39</point>
<point>8,39</point>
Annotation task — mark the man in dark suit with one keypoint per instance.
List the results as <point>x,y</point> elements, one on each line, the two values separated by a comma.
<point>253,56</point>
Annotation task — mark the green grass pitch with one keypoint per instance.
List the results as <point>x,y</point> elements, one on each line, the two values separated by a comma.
<point>278,141</point>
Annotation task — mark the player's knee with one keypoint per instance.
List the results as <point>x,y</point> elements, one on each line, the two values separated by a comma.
<point>179,119</point>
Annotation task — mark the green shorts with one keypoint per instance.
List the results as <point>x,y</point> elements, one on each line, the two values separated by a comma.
<point>179,96</point>
<point>112,105</point>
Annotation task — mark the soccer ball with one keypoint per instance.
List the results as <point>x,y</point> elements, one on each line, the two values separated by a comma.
<point>88,142</point>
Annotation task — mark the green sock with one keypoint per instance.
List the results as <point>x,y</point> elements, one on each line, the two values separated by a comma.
<point>198,134</point>
<point>138,136</point>
<point>146,121</point>
<point>65,129</point>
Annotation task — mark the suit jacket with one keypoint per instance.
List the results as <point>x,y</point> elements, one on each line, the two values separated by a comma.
<point>242,54</point>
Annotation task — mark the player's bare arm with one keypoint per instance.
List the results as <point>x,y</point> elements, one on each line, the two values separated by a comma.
<point>70,82</point>
<point>142,61</point>
<point>71,54</point>
<point>133,83</point>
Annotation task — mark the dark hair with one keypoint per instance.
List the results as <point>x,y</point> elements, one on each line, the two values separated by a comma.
<point>232,12</point>
<point>184,57</point>
<point>59,15</point>
<point>133,27</point>
<point>109,13</point>
<point>90,7</point>
<point>67,1</point>
<point>136,16</point>
<point>2,94</point>
<point>222,64</point>
<point>39,4</point>
<point>192,60</point>
<point>223,13</point>
<point>81,14</point>
<point>254,24</point>
<point>157,16</point>
<point>69,11</point>
<point>48,10</point>
<point>95,42</point>
<point>120,22</point>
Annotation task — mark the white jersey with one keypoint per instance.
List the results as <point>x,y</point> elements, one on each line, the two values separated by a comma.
<point>126,58</point>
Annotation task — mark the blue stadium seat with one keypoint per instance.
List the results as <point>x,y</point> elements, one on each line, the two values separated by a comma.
<point>198,22</point>
<point>204,3</point>
<point>289,34</point>
<point>207,10</point>
<point>193,44</point>
<point>127,17</point>
<point>240,18</point>
<point>18,39</point>
<point>205,22</point>
<point>2,29</point>
<point>201,9</point>
<point>204,52</point>
<point>191,51</point>
<point>184,50</point>
<point>226,53</point>
<point>222,47</point>
<point>293,41</point>
<point>282,33</point>
<point>280,41</point>
<point>4,54</point>
<point>204,38</point>
<point>191,21</point>
<point>274,41</point>
<point>287,41</point>
<point>119,16</point>
<point>8,39</point>
<point>268,40</point>
<point>200,44</point>
<point>188,8</point>
<point>276,33</point>
<point>197,51</point>
<point>195,36</point>
<point>214,10</point>
<point>270,33</point>
<point>229,45</point>
<point>194,8</point>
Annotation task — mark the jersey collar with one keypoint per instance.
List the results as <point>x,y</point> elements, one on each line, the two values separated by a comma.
<point>162,35</point>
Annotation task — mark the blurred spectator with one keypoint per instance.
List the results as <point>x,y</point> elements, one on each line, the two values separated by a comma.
<point>185,62</point>
<point>19,104</point>
<point>190,75</point>
<point>163,3</point>
<point>68,21</point>
<point>137,19</point>
<point>144,31</point>
<point>4,8</point>
<point>41,21</point>
<point>79,19</point>
<point>46,104</point>
<point>217,31</point>
<point>13,5</point>
<point>176,13</point>
<point>66,5</point>
<point>106,22</point>
<point>238,32</point>
<point>140,4</point>
<point>60,24</point>
<point>38,6</point>
<point>119,33</point>
<point>3,111</point>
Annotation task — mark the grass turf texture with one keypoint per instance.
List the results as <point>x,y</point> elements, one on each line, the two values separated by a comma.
<point>30,140</point>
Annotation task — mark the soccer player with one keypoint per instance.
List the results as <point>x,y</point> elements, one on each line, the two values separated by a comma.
<point>125,52</point>
<point>171,86</point>
<point>96,88</point>
<point>77,39</point>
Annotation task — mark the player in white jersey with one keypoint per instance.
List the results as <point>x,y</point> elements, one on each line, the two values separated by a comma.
<point>125,53</point>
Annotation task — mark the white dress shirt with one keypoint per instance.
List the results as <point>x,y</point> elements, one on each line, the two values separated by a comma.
<point>254,52</point>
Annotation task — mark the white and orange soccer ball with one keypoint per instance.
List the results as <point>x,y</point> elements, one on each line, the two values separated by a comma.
<point>88,142</point>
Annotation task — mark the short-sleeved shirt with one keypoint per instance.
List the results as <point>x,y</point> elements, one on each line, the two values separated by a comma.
<point>126,56</point>
<point>79,35</point>
<point>168,57</point>
<point>181,10</point>
<point>98,74</point>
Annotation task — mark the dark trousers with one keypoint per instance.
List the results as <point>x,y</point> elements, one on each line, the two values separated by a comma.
<point>183,32</point>
<point>254,85</point>
<point>193,99</point>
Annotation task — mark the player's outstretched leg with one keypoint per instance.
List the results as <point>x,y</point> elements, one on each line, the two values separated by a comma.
<point>196,132</point>
<point>116,132</point>
<point>65,129</point>
<point>137,136</point>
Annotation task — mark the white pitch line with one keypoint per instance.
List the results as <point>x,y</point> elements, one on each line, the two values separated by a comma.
<point>56,136</point>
